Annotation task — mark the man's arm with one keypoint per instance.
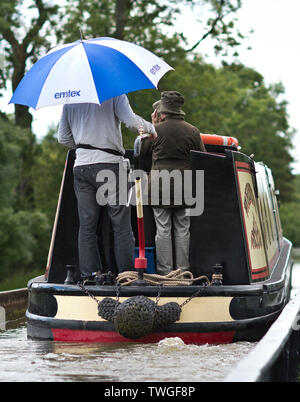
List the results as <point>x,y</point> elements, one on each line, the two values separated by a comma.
<point>202,146</point>
<point>199,145</point>
<point>65,136</point>
<point>131,120</point>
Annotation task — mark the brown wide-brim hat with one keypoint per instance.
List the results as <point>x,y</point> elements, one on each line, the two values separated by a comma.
<point>156,105</point>
<point>170,102</point>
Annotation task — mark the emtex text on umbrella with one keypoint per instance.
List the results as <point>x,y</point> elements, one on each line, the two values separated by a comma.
<point>67,94</point>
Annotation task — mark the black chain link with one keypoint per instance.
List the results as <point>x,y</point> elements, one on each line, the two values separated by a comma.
<point>158,294</point>
<point>84,289</point>
<point>190,298</point>
<point>118,287</point>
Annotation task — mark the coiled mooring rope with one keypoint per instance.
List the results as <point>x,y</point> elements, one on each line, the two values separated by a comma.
<point>174,278</point>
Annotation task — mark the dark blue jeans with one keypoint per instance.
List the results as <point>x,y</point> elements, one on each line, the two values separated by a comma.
<point>86,187</point>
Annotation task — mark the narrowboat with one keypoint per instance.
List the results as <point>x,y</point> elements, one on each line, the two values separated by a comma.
<point>240,264</point>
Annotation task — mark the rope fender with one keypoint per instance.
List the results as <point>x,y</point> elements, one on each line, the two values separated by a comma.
<point>138,315</point>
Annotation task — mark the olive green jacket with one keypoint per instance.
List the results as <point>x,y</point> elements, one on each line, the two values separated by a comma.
<point>171,151</point>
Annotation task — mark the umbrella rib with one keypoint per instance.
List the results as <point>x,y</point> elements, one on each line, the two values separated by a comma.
<point>90,70</point>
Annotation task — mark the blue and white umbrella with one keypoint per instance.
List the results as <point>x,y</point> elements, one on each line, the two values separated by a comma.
<point>89,71</point>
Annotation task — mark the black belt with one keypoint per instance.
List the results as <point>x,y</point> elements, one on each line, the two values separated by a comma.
<point>110,151</point>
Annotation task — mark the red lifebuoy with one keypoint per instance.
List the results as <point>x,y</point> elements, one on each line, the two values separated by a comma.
<point>215,139</point>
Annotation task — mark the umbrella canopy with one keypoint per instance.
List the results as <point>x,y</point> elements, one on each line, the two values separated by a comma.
<point>89,71</point>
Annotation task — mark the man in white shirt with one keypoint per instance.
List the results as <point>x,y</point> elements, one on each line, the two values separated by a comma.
<point>95,130</point>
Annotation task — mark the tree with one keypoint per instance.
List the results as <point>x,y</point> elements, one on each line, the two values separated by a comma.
<point>261,121</point>
<point>233,100</point>
<point>16,159</point>
<point>10,151</point>
<point>151,24</point>
<point>48,168</point>
<point>24,42</point>
<point>140,21</point>
<point>24,232</point>
<point>290,216</point>
<point>24,240</point>
<point>25,39</point>
<point>220,25</point>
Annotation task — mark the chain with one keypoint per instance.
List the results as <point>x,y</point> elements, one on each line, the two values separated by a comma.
<point>84,289</point>
<point>118,287</point>
<point>182,304</point>
<point>190,298</point>
<point>158,294</point>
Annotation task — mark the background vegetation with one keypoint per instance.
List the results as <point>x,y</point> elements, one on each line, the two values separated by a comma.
<point>230,99</point>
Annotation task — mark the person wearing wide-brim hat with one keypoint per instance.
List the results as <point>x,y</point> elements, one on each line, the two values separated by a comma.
<point>171,151</point>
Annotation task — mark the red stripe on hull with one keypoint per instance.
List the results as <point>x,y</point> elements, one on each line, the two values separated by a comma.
<point>70,335</point>
<point>259,275</point>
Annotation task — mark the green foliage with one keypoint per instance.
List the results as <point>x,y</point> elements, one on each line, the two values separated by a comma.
<point>151,24</point>
<point>49,163</point>
<point>19,278</point>
<point>142,22</point>
<point>23,36</point>
<point>24,232</point>
<point>290,221</point>
<point>22,240</point>
<point>290,216</point>
<point>25,29</point>
<point>220,25</point>
<point>9,162</point>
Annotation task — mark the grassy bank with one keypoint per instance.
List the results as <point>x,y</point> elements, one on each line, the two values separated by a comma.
<point>18,280</point>
<point>296,253</point>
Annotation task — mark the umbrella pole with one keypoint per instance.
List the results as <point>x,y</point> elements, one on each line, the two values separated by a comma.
<point>140,262</point>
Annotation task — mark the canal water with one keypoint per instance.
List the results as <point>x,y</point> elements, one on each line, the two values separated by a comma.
<point>170,360</point>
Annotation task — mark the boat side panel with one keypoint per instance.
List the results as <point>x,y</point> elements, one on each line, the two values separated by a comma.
<point>199,309</point>
<point>260,216</point>
<point>269,213</point>
<point>273,196</point>
<point>217,234</point>
<point>253,234</point>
